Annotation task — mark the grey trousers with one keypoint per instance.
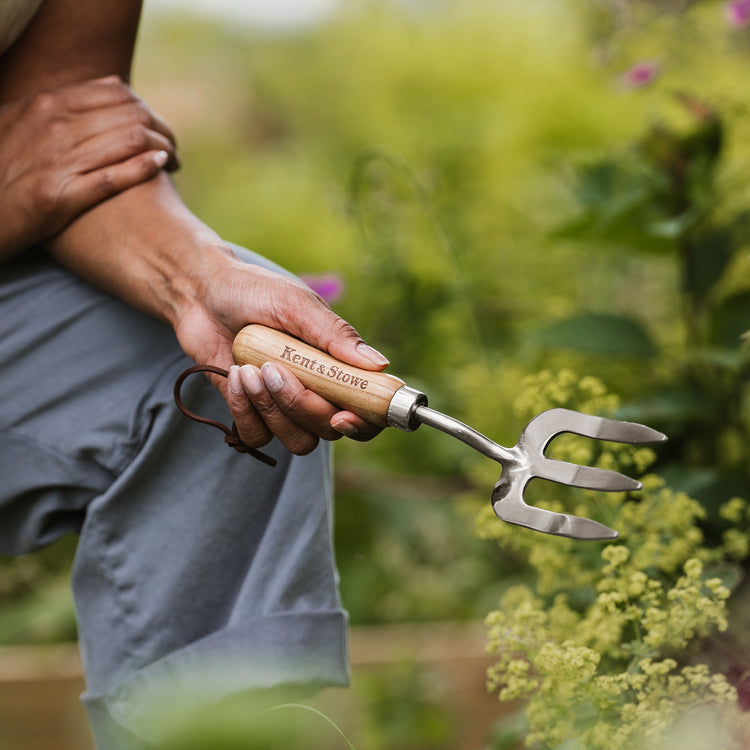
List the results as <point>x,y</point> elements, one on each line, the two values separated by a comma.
<point>198,569</point>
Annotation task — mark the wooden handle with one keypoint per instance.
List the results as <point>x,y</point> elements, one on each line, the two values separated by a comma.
<point>364,392</point>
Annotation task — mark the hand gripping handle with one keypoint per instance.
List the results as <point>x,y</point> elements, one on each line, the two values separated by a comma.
<point>364,392</point>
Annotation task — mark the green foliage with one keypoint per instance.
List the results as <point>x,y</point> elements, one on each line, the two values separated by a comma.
<point>247,722</point>
<point>407,552</point>
<point>35,600</point>
<point>672,190</point>
<point>598,333</point>
<point>609,653</point>
<point>405,711</point>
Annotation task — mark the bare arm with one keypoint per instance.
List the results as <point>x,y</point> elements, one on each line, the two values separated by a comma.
<point>68,142</point>
<point>69,41</point>
<point>146,247</point>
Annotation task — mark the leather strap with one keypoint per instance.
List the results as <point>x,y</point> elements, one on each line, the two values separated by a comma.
<point>231,436</point>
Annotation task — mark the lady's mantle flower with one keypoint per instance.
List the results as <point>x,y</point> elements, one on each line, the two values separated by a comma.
<point>738,12</point>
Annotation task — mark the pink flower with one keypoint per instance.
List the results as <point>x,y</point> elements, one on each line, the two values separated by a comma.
<point>738,12</point>
<point>328,286</point>
<point>640,74</point>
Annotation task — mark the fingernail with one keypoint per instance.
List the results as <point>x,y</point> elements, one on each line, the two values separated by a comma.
<point>345,428</point>
<point>160,158</point>
<point>235,383</point>
<point>372,354</point>
<point>272,376</point>
<point>251,379</point>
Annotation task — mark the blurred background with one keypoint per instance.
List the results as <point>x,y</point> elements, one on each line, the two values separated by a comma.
<point>486,190</point>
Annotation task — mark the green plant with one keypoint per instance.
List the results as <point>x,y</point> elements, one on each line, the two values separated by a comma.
<point>670,204</point>
<point>604,644</point>
<point>631,645</point>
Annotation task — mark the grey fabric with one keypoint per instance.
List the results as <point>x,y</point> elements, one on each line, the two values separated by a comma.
<point>198,569</point>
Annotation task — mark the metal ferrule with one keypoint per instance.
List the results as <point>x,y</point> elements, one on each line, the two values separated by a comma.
<point>402,407</point>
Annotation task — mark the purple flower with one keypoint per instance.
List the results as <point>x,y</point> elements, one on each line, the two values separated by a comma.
<point>738,12</point>
<point>640,74</point>
<point>328,286</point>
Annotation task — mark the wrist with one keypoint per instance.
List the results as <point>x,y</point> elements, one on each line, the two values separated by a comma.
<point>179,272</point>
<point>158,263</point>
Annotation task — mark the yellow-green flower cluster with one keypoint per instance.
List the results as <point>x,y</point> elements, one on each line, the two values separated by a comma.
<point>592,647</point>
<point>548,390</point>
<point>664,619</point>
<point>601,675</point>
<point>736,539</point>
<point>662,529</point>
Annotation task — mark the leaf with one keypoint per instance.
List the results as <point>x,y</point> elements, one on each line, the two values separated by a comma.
<point>508,732</point>
<point>670,406</point>
<point>626,204</point>
<point>731,319</point>
<point>731,575</point>
<point>598,333</point>
<point>707,255</point>
<point>708,486</point>
<point>671,228</point>
<point>731,360</point>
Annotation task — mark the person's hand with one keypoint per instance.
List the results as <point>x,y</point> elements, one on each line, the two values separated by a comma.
<point>271,401</point>
<point>64,151</point>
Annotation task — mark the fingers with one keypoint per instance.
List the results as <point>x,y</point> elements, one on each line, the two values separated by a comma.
<point>111,134</point>
<point>116,145</point>
<point>102,95</point>
<point>160,125</point>
<point>65,150</point>
<point>93,187</point>
<point>296,416</point>
<point>330,333</point>
<point>305,315</point>
<point>117,149</point>
<point>271,401</point>
<point>107,92</point>
<point>251,428</point>
<point>77,122</point>
<point>99,92</point>
<point>98,140</point>
<point>349,424</point>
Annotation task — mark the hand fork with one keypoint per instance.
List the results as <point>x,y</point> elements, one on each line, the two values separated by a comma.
<point>385,400</point>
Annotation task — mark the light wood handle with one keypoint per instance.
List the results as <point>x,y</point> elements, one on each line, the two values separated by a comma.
<point>364,392</point>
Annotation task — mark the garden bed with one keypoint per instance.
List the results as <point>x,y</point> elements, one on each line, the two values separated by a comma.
<point>444,663</point>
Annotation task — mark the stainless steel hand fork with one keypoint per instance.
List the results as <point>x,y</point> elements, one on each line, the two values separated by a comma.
<point>385,400</point>
<point>526,460</point>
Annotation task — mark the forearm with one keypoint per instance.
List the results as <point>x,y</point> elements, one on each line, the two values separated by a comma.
<point>145,247</point>
<point>69,41</point>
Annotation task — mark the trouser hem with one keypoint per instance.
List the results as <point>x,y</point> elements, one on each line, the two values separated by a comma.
<point>288,649</point>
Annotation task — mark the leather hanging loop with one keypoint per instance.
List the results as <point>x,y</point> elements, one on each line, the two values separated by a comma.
<point>231,435</point>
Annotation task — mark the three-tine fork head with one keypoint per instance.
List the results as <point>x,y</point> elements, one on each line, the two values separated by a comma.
<point>526,460</point>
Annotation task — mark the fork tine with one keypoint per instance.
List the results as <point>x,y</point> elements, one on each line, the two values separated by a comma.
<point>544,427</point>
<point>507,497</point>
<point>586,477</point>
<point>508,504</point>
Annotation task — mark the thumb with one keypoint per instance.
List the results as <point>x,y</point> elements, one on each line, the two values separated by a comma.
<point>294,307</point>
<point>348,346</point>
<point>322,328</point>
